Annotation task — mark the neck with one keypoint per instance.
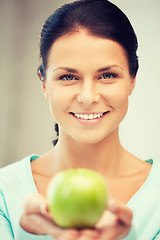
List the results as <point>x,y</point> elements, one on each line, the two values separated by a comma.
<point>104,157</point>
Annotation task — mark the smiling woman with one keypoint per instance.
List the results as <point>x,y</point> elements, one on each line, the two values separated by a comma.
<point>86,90</point>
<point>88,72</point>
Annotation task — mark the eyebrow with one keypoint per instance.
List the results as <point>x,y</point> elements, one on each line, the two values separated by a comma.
<point>72,70</point>
<point>108,68</point>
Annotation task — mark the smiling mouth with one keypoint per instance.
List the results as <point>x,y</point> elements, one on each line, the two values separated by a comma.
<point>90,116</point>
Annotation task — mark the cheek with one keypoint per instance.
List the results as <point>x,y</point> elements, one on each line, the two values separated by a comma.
<point>121,104</point>
<point>58,101</point>
<point>117,96</point>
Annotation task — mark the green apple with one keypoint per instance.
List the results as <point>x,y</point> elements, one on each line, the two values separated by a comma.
<point>76,198</point>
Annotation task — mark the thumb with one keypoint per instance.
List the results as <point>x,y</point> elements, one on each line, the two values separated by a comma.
<point>35,203</point>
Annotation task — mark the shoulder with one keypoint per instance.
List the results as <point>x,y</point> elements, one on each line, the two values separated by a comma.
<point>13,179</point>
<point>154,176</point>
<point>16,181</point>
<point>44,165</point>
<point>10,176</point>
<point>152,182</point>
<point>145,204</point>
<point>17,177</point>
<point>15,184</point>
<point>12,173</point>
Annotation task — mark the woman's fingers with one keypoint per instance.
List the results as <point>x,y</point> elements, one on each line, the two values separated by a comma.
<point>37,220</point>
<point>61,234</point>
<point>123,213</point>
<point>114,233</point>
<point>36,224</point>
<point>35,204</point>
<point>87,234</point>
<point>35,217</point>
<point>116,221</point>
<point>114,224</point>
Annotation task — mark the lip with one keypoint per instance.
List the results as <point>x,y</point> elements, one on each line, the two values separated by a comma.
<point>89,122</point>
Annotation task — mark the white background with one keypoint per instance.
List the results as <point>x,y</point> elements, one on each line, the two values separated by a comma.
<point>26,126</point>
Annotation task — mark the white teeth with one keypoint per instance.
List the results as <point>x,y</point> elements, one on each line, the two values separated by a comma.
<point>85,116</point>
<point>90,116</point>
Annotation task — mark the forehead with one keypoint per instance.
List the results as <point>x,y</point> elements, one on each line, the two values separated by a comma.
<point>80,48</point>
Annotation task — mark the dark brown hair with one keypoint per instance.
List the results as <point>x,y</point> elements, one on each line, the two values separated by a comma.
<point>98,17</point>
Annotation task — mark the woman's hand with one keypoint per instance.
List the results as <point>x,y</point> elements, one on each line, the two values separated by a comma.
<point>116,221</point>
<point>36,219</point>
<point>114,224</point>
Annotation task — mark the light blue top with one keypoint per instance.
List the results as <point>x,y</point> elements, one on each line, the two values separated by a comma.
<point>16,182</point>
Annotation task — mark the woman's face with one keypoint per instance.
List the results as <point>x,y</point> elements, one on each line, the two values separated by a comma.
<point>87,85</point>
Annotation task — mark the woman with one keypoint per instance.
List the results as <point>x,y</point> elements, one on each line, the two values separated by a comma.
<point>88,71</point>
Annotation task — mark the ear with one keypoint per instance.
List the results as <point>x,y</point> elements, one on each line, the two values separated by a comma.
<point>132,85</point>
<point>44,89</point>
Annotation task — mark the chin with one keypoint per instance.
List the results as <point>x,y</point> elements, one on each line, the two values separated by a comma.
<point>88,139</point>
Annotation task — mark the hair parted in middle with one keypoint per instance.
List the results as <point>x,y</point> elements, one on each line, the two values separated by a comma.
<point>99,18</point>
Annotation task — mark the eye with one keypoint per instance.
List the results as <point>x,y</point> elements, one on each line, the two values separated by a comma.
<point>68,77</point>
<point>107,75</point>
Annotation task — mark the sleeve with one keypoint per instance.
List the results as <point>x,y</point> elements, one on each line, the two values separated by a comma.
<point>157,237</point>
<point>21,234</point>
<point>5,225</point>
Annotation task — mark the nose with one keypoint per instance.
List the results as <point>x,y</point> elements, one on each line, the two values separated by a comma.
<point>88,94</point>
